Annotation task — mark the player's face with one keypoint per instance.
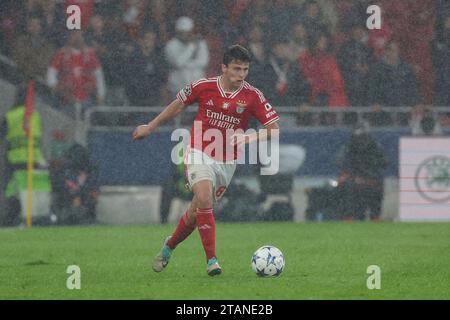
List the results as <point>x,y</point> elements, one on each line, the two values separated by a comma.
<point>235,72</point>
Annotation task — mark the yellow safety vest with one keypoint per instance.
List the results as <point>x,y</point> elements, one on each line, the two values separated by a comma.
<point>18,141</point>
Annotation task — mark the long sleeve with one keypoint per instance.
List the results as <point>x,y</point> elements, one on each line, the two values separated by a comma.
<point>191,55</point>
<point>201,58</point>
<point>177,55</point>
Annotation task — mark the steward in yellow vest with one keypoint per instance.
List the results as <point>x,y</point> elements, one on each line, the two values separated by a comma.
<point>13,165</point>
<point>17,153</point>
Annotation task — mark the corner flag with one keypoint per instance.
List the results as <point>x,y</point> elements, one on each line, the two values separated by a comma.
<point>29,108</point>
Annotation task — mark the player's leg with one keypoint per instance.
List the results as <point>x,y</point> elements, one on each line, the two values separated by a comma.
<point>184,228</point>
<point>195,173</point>
<point>206,225</point>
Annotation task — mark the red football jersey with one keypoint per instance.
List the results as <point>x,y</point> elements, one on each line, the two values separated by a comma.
<point>223,111</point>
<point>76,71</point>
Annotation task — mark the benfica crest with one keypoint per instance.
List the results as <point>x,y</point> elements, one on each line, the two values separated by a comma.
<point>240,106</point>
<point>239,109</point>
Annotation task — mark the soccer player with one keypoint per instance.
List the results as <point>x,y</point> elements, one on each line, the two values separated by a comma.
<point>225,102</point>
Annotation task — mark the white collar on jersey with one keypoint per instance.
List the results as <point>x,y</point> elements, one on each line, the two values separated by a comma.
<point>226,94</point>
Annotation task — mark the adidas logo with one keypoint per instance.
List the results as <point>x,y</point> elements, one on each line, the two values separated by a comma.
<point>204,226</point>
<point>210,103</point>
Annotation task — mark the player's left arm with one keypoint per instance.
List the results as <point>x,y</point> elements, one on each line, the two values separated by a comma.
<point>268,117</point>
<point>268,132</point>
<point>271,130</point>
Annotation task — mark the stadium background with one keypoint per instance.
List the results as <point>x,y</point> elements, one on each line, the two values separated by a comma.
<point>323,260</point>
<point>419,28</point>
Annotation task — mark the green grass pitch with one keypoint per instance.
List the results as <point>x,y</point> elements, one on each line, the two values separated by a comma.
<point>323,261</point>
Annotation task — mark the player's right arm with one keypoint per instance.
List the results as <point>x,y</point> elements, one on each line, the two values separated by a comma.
<point>170,112</point>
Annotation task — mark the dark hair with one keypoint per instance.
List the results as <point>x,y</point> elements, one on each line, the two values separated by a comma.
<point>236,53</point>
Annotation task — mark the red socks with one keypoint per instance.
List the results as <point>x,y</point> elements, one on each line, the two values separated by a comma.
<point>183,230</point>
<point>207,229</point>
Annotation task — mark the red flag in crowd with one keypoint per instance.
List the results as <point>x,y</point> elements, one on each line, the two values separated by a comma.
<point>29,107</point>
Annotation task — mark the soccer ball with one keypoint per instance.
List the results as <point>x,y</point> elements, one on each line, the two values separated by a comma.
<point>268,261</point>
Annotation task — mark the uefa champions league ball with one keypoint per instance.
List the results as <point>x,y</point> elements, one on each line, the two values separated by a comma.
<point>268,261</point>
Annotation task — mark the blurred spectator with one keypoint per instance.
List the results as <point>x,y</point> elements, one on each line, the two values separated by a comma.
<point>32,51</point>
<point>392,80</point>
<point>234,11</point>
<point>256,44</point>
<point>53,18</point>
<point>298,41</point>
<point>76,75</point>
<point>355,60</point>
<point>257,48</point>
<point>255,14</point>
<point>146,71</point>
<point>379,38</point>
<point>361,183</point>
<point>54,22</point>
<point>312,18</point>
<point>110,46</point>
<point>96,37</point>
<point>355,13</point>
<point>282,15</point>
<point>187,54</point>
<point>413,25</point>
<point>59,144</point>
<point>10,24</point>
<point>120,47</point>
<point>320,67</point>
<point>218,30</point>
<point>441,59</point>
<point>425,122</point>
<point>379,117</point>
<point>75,188</point>
<point>287,84</point>
<point>158,12</point>
<point>31,8</point>
<point>134,12</point>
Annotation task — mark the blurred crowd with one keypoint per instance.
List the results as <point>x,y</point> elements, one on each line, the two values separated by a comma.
<point>306,53</point>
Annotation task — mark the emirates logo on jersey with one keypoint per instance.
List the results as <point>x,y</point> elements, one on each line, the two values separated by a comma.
<point>220,120</point>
